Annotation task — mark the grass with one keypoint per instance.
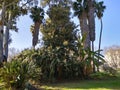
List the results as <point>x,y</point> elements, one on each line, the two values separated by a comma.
<point>109,84</point>
<point>112,83</point>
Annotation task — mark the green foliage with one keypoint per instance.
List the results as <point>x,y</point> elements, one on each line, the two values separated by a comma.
<point>80,6</point>
<point>58,28</point>
<point>101,75</point>
<point>26,54</point>
<point>52,65</point>
<point>60,62</point>
<point>57,55</point>
<point>17,73</point>
<point>63,55</point>
<point>37,14</point>
<point>99,8</point>
<point>55,65</point>
<point>61,16</point>
<point>86,56</point>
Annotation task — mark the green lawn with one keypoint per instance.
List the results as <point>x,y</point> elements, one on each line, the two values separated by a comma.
<point>111,84</point>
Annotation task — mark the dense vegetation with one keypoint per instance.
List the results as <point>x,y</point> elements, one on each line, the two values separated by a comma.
<point>66,53</point>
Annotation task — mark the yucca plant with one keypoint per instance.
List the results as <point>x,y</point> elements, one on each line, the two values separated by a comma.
<point>87,57</point>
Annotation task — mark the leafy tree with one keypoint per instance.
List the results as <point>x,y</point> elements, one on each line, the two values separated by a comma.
<point>58,28</point>
<point>12,12</point>
<point>11,9</point>
<point>112,56</point>
<point>49,3</point>
<point>6,8</point>
<point>58,36</point>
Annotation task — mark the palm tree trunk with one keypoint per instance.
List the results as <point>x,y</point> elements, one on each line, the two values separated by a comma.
<point>84,30</point>
<point>93,57</point>
<point>1,31</point>
<point>1,43</point>
<point>100,42</point>
<point>36,34</point>
<point>91,22</point>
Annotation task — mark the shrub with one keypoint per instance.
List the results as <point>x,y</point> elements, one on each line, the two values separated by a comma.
<point>16,74</point>
<point>55,65</point>
<point>100,75</point>
<point>59,62</point>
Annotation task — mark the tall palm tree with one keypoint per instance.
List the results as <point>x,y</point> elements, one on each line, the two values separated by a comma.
<point>37,14</point>
<point>80,8</point>
<point>91,21</point>
<point>99,12</point>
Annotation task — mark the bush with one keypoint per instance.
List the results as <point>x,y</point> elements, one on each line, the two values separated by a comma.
<point>16,74</point>
<point>100,75</point>
<point>55,65</point>
<point>59,62</point>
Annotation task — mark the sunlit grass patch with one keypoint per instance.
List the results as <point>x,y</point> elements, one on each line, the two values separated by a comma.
<point>111,84</point>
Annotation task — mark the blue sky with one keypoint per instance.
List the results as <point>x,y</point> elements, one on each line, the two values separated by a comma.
<point>111,28</point>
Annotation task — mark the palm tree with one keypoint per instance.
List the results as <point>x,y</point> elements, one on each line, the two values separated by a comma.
<point>37,14</point>
<point>99,12</point>
<point>80,8</point>
<point>91,21</point>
